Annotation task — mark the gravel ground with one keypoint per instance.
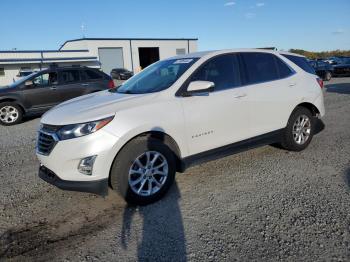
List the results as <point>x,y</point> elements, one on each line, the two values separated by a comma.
<point>264,205</point>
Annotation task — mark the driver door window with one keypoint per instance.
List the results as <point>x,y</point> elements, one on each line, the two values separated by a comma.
<point>223,71</point>
<point>46,79</point>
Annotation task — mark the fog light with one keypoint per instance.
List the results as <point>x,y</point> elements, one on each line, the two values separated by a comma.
<point>86,165</point>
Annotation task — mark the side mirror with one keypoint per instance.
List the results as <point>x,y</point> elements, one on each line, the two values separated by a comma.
<point>199,88</point>
<point>28,83</point>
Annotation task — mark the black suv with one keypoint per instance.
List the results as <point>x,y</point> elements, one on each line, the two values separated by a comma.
<point>38,92</point>
<point>322,69</point>
<point>121,74</point>
<point>343,69</point>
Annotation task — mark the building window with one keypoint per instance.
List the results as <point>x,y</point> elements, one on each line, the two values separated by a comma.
<point>180,51</point>
<point>2,71</point>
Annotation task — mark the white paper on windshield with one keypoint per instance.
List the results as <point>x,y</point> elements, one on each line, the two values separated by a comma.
<point>183,61</point>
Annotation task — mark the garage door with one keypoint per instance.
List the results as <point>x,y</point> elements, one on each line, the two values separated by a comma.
<point>111,58</point>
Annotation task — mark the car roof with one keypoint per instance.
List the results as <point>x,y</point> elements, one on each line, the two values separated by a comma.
<point>218,52</point>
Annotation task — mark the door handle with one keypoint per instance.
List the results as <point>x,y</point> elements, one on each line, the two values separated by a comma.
<point>53,87</point>
<point>84,84</point>
<point>240,95</point>
<point>292,84</point>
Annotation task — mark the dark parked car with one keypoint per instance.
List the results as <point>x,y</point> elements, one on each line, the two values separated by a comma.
<point>121,74</point>
<point>323,69</point>
<point>334,60</point>
<point>39,91</point>
<point>342,69</point>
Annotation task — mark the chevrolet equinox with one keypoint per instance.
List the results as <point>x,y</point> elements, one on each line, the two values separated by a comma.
<point>176,113</point>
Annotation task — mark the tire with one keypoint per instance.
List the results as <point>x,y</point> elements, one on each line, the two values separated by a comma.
<point>328,76</point>
<point>126,170</point>
<point>10,114</point>
<point>290,139</point>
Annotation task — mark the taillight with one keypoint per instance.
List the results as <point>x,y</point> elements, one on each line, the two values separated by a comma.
<point>111,84</point>
<point>320,82</point>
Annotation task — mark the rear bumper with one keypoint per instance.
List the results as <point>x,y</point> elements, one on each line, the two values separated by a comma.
<point>99,187</point>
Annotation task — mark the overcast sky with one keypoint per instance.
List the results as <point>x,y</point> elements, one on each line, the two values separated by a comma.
<point>306,24</point>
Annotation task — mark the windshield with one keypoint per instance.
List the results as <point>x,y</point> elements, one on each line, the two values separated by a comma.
<point>157,77</point>
<point>22,80</point>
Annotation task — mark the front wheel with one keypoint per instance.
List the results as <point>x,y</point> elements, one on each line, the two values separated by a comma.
<point>10,114</point>
<point>143,171</point>
<point>299,131</point>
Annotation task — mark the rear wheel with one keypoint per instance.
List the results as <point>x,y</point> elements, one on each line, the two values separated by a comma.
<point>143,171</point>
<point>299,131</point>
<point>10,114</point>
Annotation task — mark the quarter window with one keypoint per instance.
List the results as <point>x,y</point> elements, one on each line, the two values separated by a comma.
<point>223,71</point>
<point>260,67</point>
<point>283,70</point>
<point>90,75</point>
<point>2,71</point>
<point>301,62</point>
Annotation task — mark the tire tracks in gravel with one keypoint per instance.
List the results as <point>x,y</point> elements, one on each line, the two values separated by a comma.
<point>38,238</point>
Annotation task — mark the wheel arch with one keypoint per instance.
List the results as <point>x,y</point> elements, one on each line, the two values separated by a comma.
<point>9,99</point>
<point>159,135</point>
<point>313,109</point>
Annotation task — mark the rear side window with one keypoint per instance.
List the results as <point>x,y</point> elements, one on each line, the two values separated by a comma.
<point>301,62</point>
<point>70,76</point>
<point>223,71</point>
<point>260,67</point>
<point>90,75</point>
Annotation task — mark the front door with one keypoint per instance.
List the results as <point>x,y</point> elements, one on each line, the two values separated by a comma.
<point>222,116</point>
<point>42,93</point>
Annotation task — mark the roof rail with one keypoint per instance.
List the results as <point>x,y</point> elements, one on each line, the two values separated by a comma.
<point>268,48</point>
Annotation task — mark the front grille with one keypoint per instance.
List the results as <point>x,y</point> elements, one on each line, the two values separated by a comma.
<point>46,142</point>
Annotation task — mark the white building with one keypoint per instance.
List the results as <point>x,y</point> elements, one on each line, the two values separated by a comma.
<point>105,53</point>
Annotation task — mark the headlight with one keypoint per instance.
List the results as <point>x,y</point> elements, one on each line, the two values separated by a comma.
<point>77,130</point>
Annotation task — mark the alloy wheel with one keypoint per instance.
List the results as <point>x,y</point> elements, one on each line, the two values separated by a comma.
<point>148,173</point>
<point>301,129</point>
<point>8,114</point>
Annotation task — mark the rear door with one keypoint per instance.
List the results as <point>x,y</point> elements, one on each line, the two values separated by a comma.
<point>70,85</point>
<point>271,90</point>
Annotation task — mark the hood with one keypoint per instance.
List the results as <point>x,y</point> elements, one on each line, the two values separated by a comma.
<point>93,107</point>
<point>5,89</point>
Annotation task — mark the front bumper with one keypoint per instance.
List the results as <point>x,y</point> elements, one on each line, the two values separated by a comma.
<point>99,187</point>
<point>66,155</point>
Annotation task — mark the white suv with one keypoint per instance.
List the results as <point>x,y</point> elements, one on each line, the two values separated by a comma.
<point>176,113</point>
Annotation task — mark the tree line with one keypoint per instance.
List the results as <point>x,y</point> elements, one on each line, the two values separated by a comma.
<point>323,54</point>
